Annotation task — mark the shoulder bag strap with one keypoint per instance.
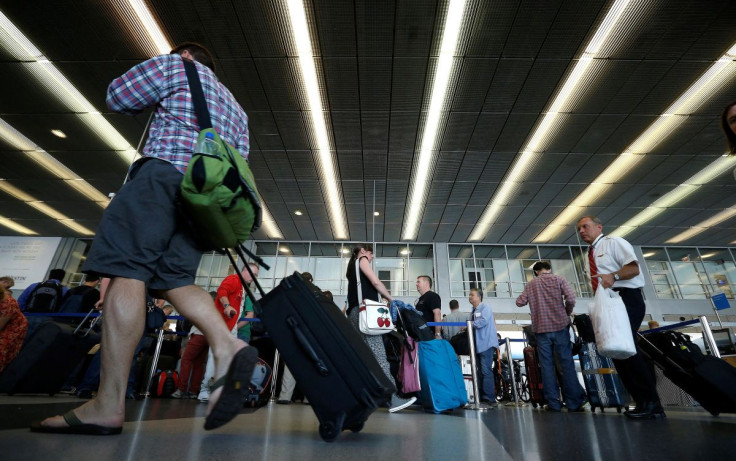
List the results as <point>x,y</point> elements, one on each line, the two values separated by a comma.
<point>195,86</point>
<point>357,280</point>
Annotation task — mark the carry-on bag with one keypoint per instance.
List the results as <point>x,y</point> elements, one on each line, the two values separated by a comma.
<point>327,356</point>
<point>47,359</point>
<point>603,385</point>
<point>534,376</point>
<point>440,376</point>
<point>709,380</point>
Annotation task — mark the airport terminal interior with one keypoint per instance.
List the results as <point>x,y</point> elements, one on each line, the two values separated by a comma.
<point>462,139</point>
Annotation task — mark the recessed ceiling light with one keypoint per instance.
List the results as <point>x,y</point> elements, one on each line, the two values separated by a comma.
<point>284,249</point>
<point>59,133</point>
<point>649,255</point>
<point>404,251</point>
<point>345,251</point>
<point>376,213</point>
<point>298,212</point>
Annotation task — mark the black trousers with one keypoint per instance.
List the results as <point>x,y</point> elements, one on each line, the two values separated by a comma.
<point>636,372</point>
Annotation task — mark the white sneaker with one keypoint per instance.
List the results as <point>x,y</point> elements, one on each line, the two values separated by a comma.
<point>204,395</point>
<point>398,404</point>
<point>177,394</point>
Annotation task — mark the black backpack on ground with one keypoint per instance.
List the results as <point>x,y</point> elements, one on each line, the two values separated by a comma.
<point>414,325</point>
<point>46,297</point>
<point>461,343</point>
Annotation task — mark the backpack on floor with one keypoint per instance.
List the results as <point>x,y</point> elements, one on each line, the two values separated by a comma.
<point>259,381</point>
<point>46,297</point>
<point>164,383</point>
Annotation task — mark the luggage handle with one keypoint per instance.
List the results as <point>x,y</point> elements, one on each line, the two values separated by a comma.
<point>84,320</point>
<point>257,310</point>
<point>306,347</point>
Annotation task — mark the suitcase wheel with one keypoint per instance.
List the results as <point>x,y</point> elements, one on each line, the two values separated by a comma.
<point>357,428</point>
<point>328,432</point>
<point>618,409</point>
<point>592,409</point>
<point>534,405</point>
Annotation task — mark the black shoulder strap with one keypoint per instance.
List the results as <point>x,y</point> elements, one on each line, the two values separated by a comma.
<point>195,86</point>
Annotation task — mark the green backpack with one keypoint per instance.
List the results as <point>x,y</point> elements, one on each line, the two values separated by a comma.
<point>218,189</point>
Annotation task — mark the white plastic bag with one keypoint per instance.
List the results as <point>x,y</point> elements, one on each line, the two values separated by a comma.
<point>611,325</point>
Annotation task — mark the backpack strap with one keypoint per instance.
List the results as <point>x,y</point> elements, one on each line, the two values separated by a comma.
<point>195,86</point>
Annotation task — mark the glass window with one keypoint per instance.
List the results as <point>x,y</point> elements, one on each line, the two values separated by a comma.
<point>421,262</point>
<point>462,270</point>
<point>689,272</point>
<point>492,270</point>
<point>327,265</point>
<point>720,269</point>
<point>293,257</point>
<point>660,272</point>
<point>580,261</point>
<point>561,262</point>
<point>268,252</point>
<point>391,266</point>
<point>521,261</point>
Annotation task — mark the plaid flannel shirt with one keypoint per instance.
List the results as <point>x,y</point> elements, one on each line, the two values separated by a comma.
<point>545,295</point>
<point>162,82</point>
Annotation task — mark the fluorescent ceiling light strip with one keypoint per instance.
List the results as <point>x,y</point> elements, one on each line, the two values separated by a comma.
<point>18,45</point>
<point>703,226</point>
<point>269,224</point>
<point>545,129</point>
<point>420,178</point>
<point>718,167</point>
<point>8,188</point>
<point>151,26</point>
<point>16,139</point>
<point>328,173</point>
<point>720,72</point>
<point>12,225</point>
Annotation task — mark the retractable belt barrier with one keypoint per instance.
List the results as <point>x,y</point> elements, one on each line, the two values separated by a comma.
<point>708,338</point>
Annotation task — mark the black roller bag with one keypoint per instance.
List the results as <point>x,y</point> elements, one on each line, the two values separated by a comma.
<point>709,380</point>
<point>47,359</point>
<point>327,356</point>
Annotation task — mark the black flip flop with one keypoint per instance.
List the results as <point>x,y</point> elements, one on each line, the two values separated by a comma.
<point>75,426</point>
<point>234,388</point>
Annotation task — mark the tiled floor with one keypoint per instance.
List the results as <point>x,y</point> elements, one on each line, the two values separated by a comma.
<point>172,430</point>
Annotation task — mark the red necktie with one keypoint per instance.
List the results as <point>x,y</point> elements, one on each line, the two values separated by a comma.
<point>593,268</point>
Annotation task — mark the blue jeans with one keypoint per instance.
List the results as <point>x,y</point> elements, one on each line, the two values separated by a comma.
<point>485,377</point>
<point>558,342</point>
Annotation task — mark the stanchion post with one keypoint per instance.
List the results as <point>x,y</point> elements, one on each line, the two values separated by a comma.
<point>510,361</point>
<point>708,336</point>
<point>473,368</point>
<point>275,375</point>
<point>154,363</point>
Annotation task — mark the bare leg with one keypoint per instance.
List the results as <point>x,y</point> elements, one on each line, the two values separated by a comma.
<point>124,308</point>
<point>196,305</point>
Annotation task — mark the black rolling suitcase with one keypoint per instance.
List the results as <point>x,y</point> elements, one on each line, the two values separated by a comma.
<point>47,359</point>
<point>329,360</point>
<point>709,380</point>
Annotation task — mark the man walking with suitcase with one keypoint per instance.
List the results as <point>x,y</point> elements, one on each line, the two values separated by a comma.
<point>613,264</point>
<point>144,240</point>
<point>551,301</point>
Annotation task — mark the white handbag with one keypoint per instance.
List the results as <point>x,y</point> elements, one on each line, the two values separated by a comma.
<point>373,316</point>
<point>611,325</point>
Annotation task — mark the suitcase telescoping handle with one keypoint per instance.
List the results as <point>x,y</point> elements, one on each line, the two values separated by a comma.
<point>239,249</point>
<point>308,349</point>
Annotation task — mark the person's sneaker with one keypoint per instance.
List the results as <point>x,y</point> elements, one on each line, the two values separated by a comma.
<point>398,404</point>
<point>204,396</point>
<point>178,394</point>
<point>192,395</point>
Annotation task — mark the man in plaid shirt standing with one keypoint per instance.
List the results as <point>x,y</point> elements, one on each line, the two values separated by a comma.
<point>144,243</point>
<point>551,301</point>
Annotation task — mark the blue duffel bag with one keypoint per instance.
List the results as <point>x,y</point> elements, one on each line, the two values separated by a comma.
<point>440,376</point>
